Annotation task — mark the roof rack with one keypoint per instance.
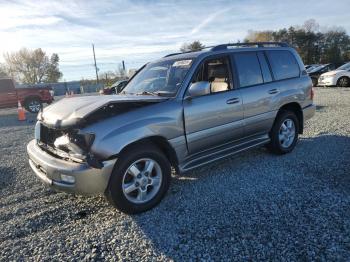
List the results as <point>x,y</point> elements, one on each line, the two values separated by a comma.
<point>257,44</point>
<point>179,53</point>
<point>225,46</point>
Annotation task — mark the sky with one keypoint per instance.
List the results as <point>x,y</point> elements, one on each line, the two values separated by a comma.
<point>140,31</point>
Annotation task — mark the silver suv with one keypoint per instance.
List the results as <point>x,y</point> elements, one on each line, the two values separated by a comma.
<point>182,111</point>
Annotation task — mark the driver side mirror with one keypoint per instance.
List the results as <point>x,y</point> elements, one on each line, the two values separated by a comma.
<point>199,89</point>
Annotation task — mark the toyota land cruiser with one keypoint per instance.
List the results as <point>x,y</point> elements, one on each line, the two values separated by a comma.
<point>182,111</point>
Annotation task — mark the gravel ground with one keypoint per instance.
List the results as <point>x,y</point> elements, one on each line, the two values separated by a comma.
<point>254,206</point>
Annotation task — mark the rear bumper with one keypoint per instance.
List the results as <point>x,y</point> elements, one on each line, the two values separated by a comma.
<point>48,169</point>
<point>309,111</point>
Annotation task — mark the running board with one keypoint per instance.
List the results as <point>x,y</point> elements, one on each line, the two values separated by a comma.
<point>221,152</point>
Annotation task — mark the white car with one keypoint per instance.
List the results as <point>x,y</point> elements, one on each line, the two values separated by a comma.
<point>338,77</point>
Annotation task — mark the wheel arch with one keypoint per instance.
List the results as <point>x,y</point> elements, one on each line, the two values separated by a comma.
<point>295,108</point>
<point>161,143</point>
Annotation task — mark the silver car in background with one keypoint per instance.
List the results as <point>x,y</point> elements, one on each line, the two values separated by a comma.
<point>182,111</point>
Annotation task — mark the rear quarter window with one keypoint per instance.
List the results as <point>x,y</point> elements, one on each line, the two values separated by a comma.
<point>283,64</point>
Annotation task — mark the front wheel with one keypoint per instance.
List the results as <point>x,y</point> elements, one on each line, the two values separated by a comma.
<point>284,133</point>
<point>139,180</point>
<point>343,81</point>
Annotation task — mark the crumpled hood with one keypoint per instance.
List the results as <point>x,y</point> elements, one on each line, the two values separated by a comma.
<point>70,111</point>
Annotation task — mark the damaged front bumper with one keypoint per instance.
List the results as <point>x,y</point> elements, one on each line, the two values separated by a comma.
<point>82,178</point>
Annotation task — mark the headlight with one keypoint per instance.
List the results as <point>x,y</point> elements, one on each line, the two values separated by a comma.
<point>76,144</point>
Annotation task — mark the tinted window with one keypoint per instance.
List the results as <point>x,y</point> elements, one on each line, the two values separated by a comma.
<point>248,68</point>
<point>283,64</point>
<point>264,68</point>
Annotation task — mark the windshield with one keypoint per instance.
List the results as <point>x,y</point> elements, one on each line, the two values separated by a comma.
<point>160,78</point>
<point>344,67</point>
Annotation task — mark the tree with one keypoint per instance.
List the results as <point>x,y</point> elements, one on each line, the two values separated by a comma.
<point>194,46</point>
<point>32,66</point>
<point>332,46</point>
<point>53,72</point>
<point>3,72</point>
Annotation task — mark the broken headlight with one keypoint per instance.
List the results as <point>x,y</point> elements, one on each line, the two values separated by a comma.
<point>75,144</point>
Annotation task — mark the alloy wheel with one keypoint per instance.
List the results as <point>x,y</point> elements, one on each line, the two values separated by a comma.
<point>287,133</point>
<point>142,181</point>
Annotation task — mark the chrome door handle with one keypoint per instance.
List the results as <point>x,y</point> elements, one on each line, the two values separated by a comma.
<point>273,91</point>
<point>232,101</point>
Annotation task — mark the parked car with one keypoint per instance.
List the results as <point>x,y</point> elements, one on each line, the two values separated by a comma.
<point>31,97</point>
<point>339,77</point>
<point>319,70</point>
<point>115,88</point>
<point>311,67</point>
<point>182,111</point>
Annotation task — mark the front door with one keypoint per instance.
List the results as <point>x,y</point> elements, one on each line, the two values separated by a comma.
<point>216,118</point>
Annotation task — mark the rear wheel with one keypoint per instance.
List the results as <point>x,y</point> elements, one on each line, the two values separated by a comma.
<point>33,105</point>
<point>139,180</point>
<point>343,81</point>
<point>284,133</point>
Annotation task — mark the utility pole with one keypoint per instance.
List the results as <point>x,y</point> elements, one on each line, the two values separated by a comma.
<point>96,69</point>
<point>124,68</point>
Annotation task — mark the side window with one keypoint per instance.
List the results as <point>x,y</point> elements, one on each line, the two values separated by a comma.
<point>248,68</point>
<point>284,64</point>
<point>217,72</point>
<point>264,67</point>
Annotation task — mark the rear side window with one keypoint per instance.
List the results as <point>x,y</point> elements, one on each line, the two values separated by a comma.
<point>248,68</point>
<point>283,64</point>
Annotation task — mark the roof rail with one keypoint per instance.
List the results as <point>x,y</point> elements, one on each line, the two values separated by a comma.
<point>178,53</point>
<point>257,44</point>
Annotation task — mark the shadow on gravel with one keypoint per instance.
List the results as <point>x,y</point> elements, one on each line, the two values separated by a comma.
<point>259,214</point>
<point>7,176</point>
<point>11,120</point>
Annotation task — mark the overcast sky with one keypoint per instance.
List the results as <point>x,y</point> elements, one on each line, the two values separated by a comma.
<point>140,31</point>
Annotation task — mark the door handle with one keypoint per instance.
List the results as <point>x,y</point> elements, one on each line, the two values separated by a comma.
<point>232,101</point>
<point>273,91</point>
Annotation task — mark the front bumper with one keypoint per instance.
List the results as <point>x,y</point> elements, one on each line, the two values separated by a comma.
<point>309,111</point>
<point>88,180</point>
<point>327,81</point>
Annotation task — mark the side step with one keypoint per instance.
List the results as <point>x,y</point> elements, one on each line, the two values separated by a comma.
<point>217,153</point>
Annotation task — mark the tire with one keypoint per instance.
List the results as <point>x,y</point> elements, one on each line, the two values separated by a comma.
<point>282,146</point>
<point>343,81</point>
<point>33,105</point>
<point>130,200</point>
<point>314,81</point>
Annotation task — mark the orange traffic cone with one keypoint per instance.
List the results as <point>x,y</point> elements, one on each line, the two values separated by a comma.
<point>21,112</point>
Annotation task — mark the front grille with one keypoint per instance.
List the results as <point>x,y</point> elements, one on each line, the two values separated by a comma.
<point>49,135</point>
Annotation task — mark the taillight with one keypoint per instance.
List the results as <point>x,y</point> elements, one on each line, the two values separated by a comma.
<point>312,93</point>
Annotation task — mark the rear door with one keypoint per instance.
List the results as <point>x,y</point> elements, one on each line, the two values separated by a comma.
<point>266,78</point>
<point>258,91</point>
<point>216,118</point>
<point>8,94</point>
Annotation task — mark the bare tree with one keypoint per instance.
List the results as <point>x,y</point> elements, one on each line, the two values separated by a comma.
<point>32,66</point>
<point>3,72</point>
<point>194,46</point>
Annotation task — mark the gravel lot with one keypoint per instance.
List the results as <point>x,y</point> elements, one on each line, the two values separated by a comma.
<point>254,206</point>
